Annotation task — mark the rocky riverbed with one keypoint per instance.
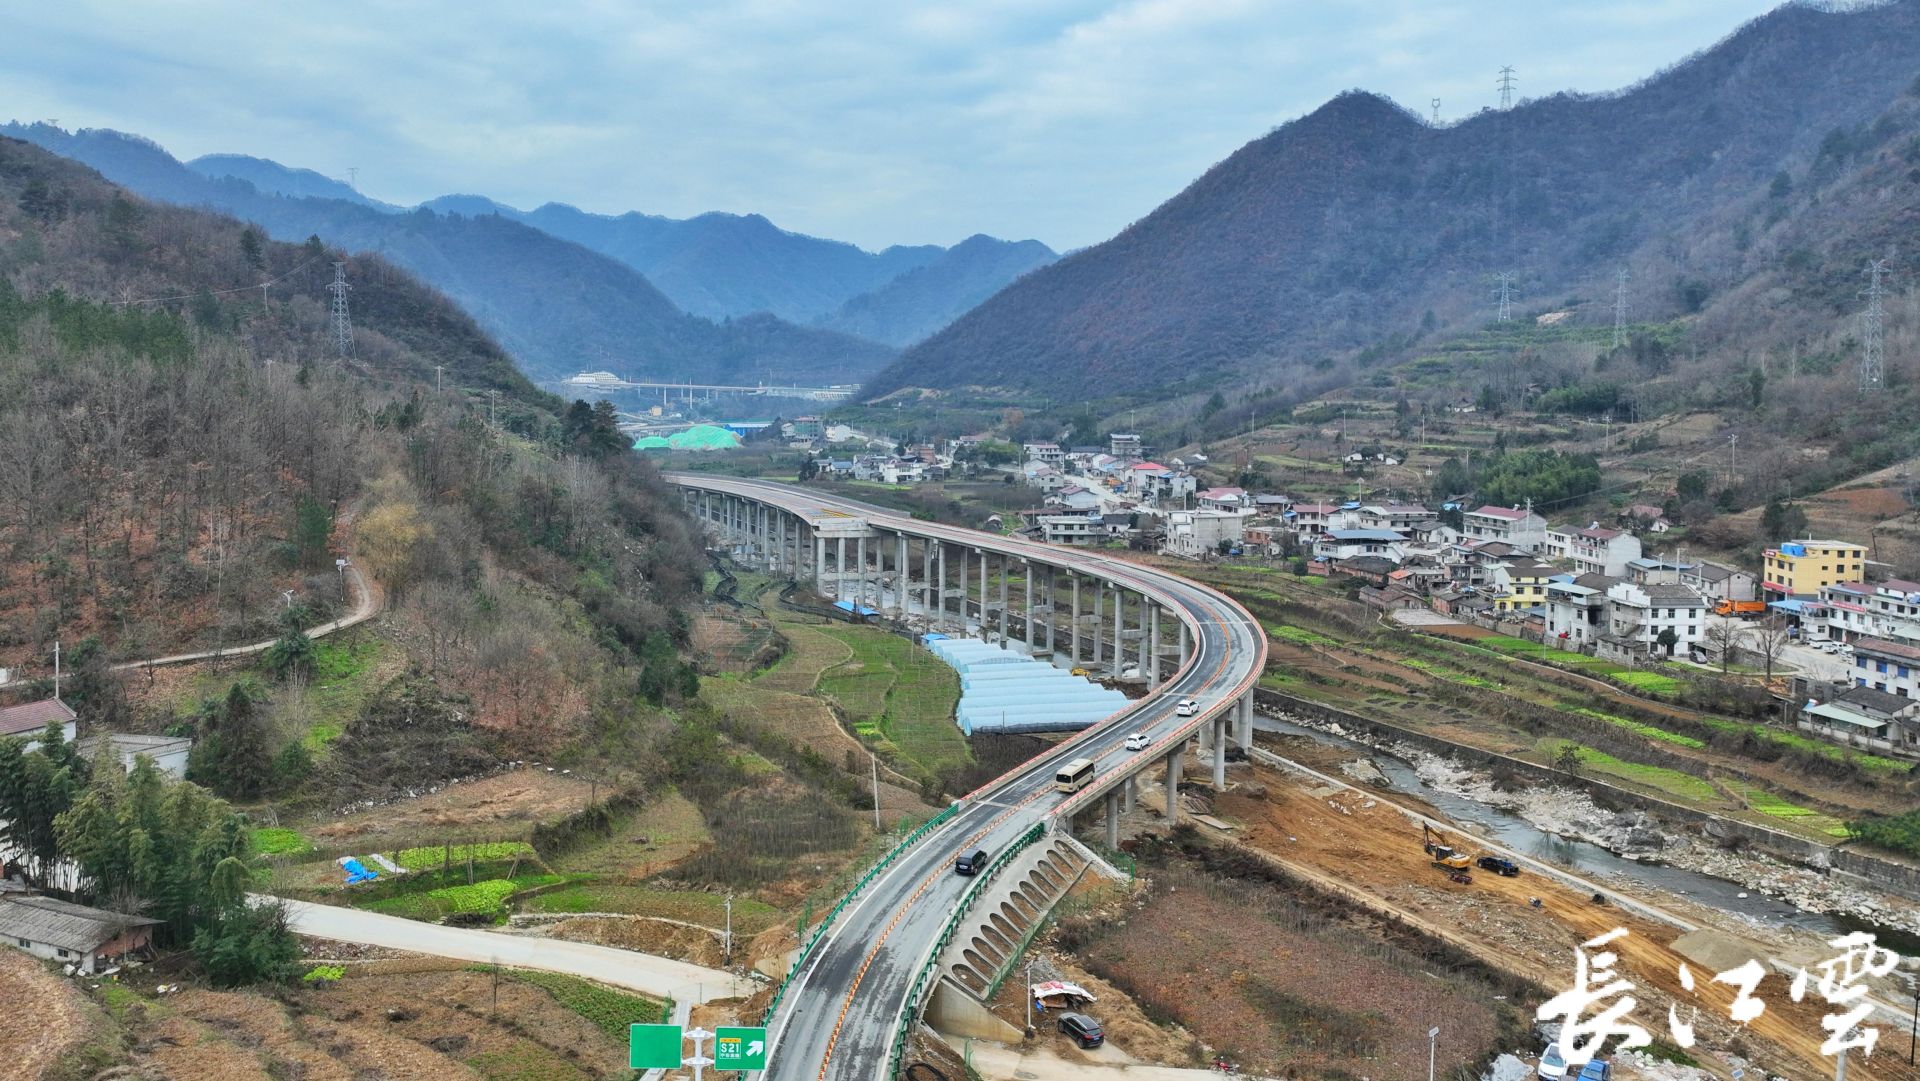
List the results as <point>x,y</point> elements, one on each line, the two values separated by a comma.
<point>1571,813</point>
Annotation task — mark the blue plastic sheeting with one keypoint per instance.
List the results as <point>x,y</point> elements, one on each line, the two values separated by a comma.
<point>856,609</point>
<point>1004,690</point>
<point>356,871</point>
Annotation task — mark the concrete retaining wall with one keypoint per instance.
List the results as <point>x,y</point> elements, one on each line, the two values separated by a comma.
<point>1866,868</point>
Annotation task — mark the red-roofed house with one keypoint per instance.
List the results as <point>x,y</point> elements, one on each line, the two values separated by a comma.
<point>29,718</point>
<point>1227,499</point>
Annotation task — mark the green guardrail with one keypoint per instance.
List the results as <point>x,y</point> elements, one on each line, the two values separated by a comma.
<point>925,975</point>
<point>820,931</point>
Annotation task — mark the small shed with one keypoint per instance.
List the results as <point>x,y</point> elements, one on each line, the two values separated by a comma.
<point>169,753</point>
<point>57,930</point>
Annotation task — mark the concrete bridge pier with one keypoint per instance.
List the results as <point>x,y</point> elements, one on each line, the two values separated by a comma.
<point>1218,726</point>
<point>1244,737</point>
<point>1173,785</point>
<point>1113,820</point>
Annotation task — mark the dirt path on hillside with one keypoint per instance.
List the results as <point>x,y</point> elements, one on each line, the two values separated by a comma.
<point>1366,849</point>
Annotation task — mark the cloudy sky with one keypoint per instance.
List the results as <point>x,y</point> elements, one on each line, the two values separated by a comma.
<point>876,122</point>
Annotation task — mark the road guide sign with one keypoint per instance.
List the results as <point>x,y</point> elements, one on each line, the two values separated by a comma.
<point>740,1048</point>
<point>653,1047</point>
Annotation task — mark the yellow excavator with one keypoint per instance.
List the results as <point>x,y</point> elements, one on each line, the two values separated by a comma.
<point>1443,855</point>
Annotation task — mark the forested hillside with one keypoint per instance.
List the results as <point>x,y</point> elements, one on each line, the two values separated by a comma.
<point>556,307</point>
<point>1361,224</point>
<point>185,458</point>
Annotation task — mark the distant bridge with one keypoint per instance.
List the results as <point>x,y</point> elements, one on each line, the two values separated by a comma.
<point>690,390</point>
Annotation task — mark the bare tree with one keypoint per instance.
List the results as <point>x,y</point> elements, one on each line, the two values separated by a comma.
<point>1770,641</point>
<point>1725,636</point>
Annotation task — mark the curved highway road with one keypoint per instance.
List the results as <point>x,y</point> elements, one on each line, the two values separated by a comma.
<point>841,1011</point>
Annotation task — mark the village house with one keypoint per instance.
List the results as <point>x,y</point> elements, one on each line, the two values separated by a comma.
<point>1072,529</point>
<point>1886,666</point>
<point>1512,525</point>
<point>1234,500</point>
<point>1800,568</point>
<point>1075,497</point>
<point>1645,517</point>
<point>1638,615</point>
<point>1661,571</point>
<point>1401,517</point>
<point>1721,582</point>
<point>1169,488</point>
<point>1125,445</point>
<point>1309,520</point>
<point>1050,453</point>
<point>1195,533</point>
<point>1855,610</point>
<point>1576,614</point>
<point>28,719</point>
<point>89,939</point>
<point>1521,584</point>
<point>1596,550</point>
<point>1347,543</point>
<point>168,753</point>
<point>1863,716</point>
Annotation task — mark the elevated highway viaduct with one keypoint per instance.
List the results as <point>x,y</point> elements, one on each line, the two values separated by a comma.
<point>862,981</point>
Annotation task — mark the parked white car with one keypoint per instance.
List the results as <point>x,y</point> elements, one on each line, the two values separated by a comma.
<point>1552,1066</point>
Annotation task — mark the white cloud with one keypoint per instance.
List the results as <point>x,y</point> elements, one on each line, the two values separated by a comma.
<point>875,122</point>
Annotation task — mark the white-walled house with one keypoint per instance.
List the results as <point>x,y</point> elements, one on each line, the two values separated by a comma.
<point>1194,533</point>
<point>1521,528</point>
<point>1596,550</point>
<point>1637,614</point>
<point>169,753</point>
<point>27,720</point>
<point>57,930</point>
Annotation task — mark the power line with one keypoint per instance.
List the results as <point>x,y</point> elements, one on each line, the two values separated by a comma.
<point>217,292</point>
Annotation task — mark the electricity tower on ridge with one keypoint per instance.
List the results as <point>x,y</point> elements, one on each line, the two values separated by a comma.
<point>342,321</point>
<point>1505,278</point>
<point>1873,373</point>
<point>1620,308</point>
<point>1507,79</point>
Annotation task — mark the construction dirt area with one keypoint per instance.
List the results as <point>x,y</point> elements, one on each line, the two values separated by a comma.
<point>1359,845</point>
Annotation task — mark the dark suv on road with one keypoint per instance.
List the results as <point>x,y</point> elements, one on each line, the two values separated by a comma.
<point>1084,1030</point>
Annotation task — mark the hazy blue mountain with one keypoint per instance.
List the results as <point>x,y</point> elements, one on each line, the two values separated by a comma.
<point>556,306</point>
<point>718,265</point>
<point>273,178</point>
<point>926,298</point>
<point>1361,220</point>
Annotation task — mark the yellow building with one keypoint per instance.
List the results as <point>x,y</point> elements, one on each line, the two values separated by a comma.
<point>1522,586</point>
<point>1802,568</point>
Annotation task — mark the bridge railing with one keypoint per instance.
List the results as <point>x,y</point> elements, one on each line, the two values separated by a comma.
<point>925,977</point>
<point>820,931</point>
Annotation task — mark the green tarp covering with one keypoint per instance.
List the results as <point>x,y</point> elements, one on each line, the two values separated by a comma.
<point>698,437</point>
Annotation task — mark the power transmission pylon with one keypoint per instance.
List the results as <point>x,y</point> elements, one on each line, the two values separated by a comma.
<point>1505,278</point>
<point>1436,112</point>
<point>1873,373</point>
<point>1507,79</point>
<point>1620,309</point>
<point>342,321</point>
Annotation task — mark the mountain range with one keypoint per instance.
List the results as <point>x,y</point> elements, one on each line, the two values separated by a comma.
<point>564,290</point>
<point>1363,223</point>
